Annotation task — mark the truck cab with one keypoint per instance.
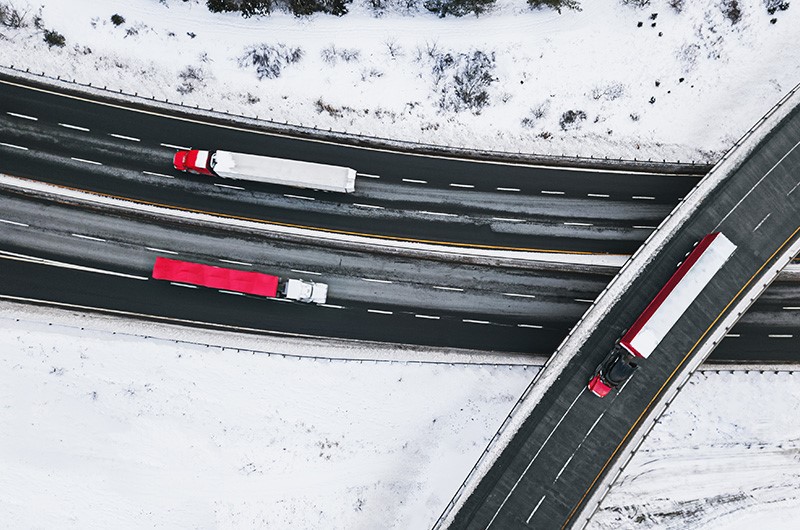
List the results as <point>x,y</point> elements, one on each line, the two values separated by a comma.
<point>613,371</point>
<point>305,291</point>
<point>193,161</point>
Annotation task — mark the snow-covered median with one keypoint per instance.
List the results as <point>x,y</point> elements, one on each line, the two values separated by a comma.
<point>611,80</point>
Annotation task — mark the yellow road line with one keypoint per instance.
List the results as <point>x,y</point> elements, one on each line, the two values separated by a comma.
<point>658,393</point>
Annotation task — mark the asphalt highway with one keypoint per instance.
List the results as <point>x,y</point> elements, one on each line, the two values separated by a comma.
<point>66,254</point>
<point>123,152</point>
<point>543,477</point>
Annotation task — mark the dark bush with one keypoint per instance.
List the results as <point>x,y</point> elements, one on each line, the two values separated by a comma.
<point>301,8</point>
<point>457,8</point>
<point>463,80</point>
<point>776,5</point>
<point>250,8</point>
<point>558,5</point>
<point>11,17</point>
<point>731,10</point>
<point>572,119</point>
<point>54,38</point>
<point>269,60</point>
<point>218,6</point>
<point>117,20</point>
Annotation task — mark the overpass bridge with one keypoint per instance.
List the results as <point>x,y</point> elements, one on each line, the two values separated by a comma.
<point>561,446</point>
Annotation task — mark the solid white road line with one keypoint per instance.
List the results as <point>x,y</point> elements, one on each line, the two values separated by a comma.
<point>508,189</point>
<point>415,181</point>
<point>234,262</point>
<point>532,459</point>
<point>430,317</point>
<point>376,281</point>
<point>12,223</point>
<point>158,174</point>
<point>761,222</point>
<point>76,127</point>
<point>379,312</point>
<point>23,116</point>
<point>298,197</point>
<point>301,271</point>
<point>123,137</point>
<point>161,250</point>
<point>81,236</point>
<point>228,186</point>
<point>443,288</point>
<point>171,146</point>
<point>41,261</point>
<point>86,161</point>
<point>14,146</point>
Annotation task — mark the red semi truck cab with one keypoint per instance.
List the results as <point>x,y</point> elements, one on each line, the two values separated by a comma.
<point>193,161</point>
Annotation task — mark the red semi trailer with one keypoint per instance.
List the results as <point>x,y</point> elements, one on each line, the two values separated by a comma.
<point>247,282</point>
<point>663,312</point>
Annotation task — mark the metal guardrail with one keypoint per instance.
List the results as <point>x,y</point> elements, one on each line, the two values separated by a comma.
<point>613,282</point>
<point>691,167</point>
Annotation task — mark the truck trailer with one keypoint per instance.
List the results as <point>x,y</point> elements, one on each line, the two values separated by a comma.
<point>663,312</point>
<point>266,169</point>
<point>246,282</point>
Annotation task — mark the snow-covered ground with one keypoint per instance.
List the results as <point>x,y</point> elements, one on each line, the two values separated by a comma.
<point>104,429</point>
<point>112,430</point>
<point>683,86</point>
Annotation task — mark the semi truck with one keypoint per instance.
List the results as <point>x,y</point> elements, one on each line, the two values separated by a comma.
<point>663,312</point>
<point>267,169</point>
<point>238,281</point>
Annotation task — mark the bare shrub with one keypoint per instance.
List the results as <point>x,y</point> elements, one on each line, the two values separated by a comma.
<point>677,5</point>
<point>572,119</point>
<point>192,78</point>
<point>321,107</point>
<point>636,3</point>
<point>12,17</point>
<point>402,6</point>
<point>394,49</point>
<point>269,60</point>
<point>457,8</point>
<point>536,114</point>
<point>332,54</point>
<point>608,92</point>
<point>463,80</point>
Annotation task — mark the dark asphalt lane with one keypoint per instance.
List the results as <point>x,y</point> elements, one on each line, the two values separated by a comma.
<point>417,197</point>
<point>543,477</point>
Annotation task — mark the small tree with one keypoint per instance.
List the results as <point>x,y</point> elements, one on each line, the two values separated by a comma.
<point>217,6</point>
<point>117,20</point>
<point>54,38</point>
<point>555,4</point>
<point>457,8</point>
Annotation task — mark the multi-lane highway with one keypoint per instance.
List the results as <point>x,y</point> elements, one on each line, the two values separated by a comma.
<point>127,152</point>
<point>100,260</point>
<point>542,478</point>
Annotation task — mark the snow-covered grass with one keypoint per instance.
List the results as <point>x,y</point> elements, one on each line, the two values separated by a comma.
<point>102,430</point>
<point>726,455</point>
<point>105,429</point>
<point>683,86</point>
